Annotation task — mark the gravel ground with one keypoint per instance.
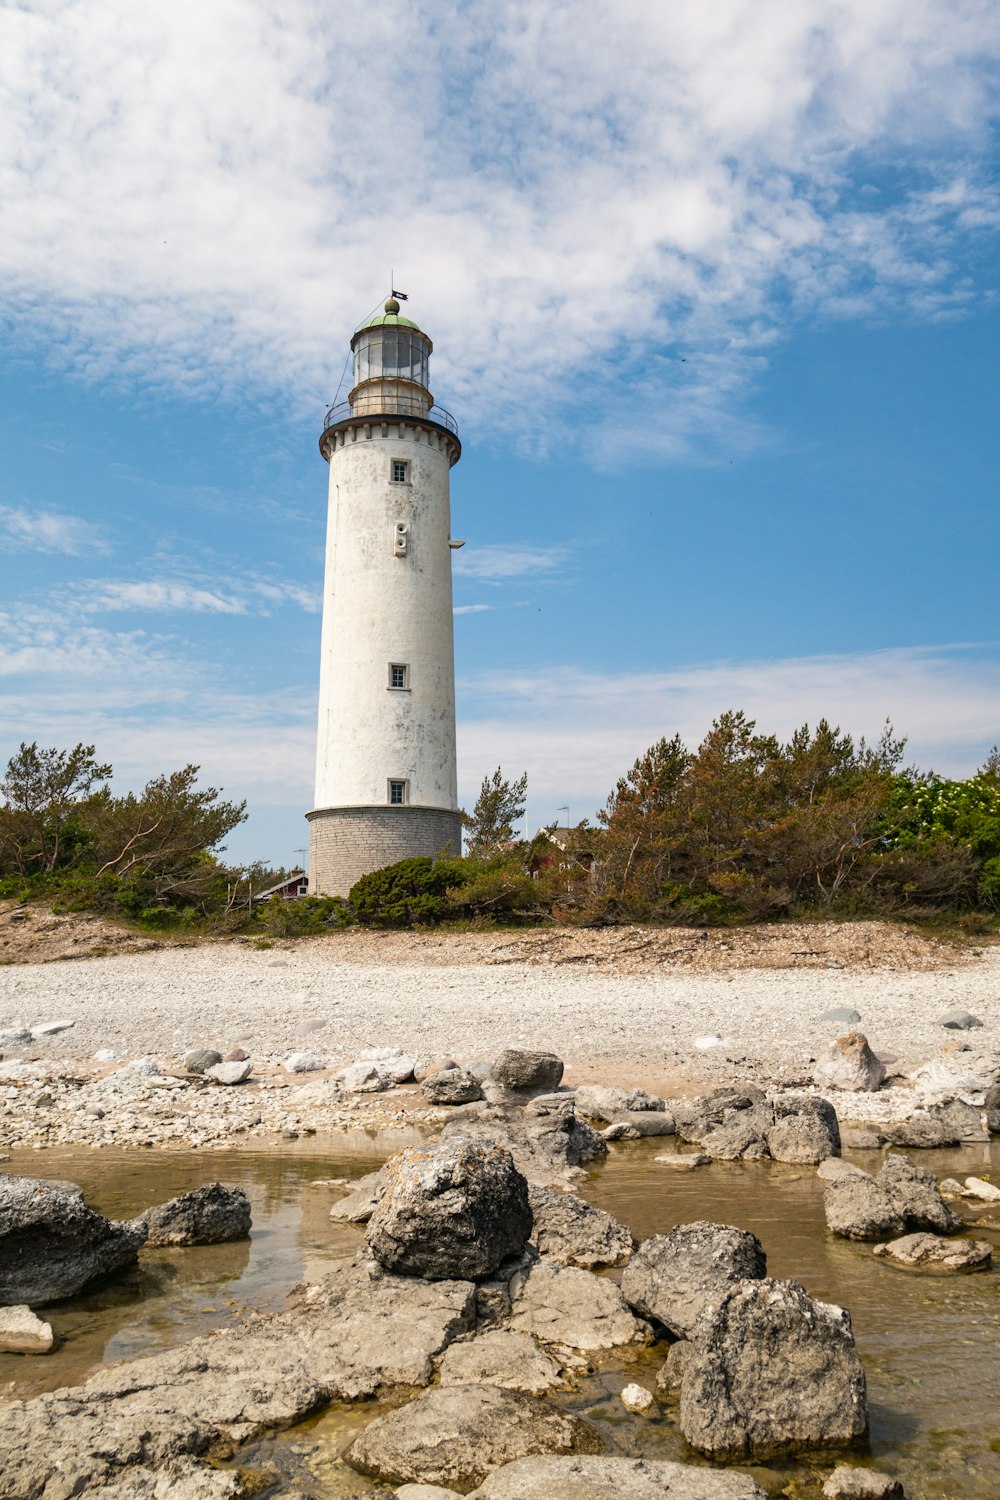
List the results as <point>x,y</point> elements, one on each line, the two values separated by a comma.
<point>644,1024</point>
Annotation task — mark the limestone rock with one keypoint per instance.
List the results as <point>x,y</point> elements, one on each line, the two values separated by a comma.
<point>230,1073</point>
<point>200,1058</point>
<point>772,1371</point>
<point>455,1209</point>
<point>375,1331</point>
<point>52,1028</point>
<point>359,1204</point>
<point>633,1125</point>
<point>425,1492</point>
<point>210,1215</point>
<point>363,1078</point>
<point>546,1139</point>
<point>635,1398</point>
<point>522,1071</point>
<point>451,1086</point>
<point>804,1130</point>
<point>392,1063</point>
<point>992,1103</point>
<point>851,1064</point>
<point>670,1375</point>
<point>503,1358</point>
<point>959,1020</point>
<point>572,1309</point>
<point>22,1333</point>
<point>901,1196</point>
<point>550,1478</point>
<point>303,1062</point>
<point>840,1015</point>
<point>696,1118</point>
<point>52,1244</point>
<point>424,1067</point>
<point>569,1231</point>
<point>835,1167</point>
<point>672,1277</point>
<point>850,1483</point>
<point>978,1187</point>
<point>684,1161</point>
<point>596,1102</point>
<point>929,1252</point>
<point>455,1435</point>
<point>183,1479</point>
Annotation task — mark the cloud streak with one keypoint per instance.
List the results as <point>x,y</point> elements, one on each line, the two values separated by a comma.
<point>49,531</point>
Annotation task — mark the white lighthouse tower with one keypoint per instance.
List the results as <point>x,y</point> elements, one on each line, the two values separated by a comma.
<point>385,757</point>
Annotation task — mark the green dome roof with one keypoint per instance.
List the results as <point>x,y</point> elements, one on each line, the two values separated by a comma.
<point>390,318</point>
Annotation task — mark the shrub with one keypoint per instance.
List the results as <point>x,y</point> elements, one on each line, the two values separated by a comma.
<point>408,892</point>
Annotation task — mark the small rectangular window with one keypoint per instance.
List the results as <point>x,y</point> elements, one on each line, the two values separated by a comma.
<point>399,675</point>
<point>397,794</point>
<point>400,471</point>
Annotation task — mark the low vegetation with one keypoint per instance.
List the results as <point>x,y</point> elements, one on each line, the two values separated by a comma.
<point>744,828</point>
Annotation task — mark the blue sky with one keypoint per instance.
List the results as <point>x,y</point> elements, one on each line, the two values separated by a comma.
<point>713,293</point>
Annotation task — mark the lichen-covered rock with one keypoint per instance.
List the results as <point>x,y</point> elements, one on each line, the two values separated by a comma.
<point>992,1106</point>
<point>902,1196</point>
<point>929,1252</point>
<point>772,1371</point>
<point>453,1210</point>
<point>670,1375</point>
<point>572,1309</point>
<point>546,1138</point>
<point>451,1086</point>
<point>672,1277</point>
<point>455,1435</point>
<point>52,1244</point>
<point>570,1232</point>
<point>696,1118</point>
<point>850,1064</point>
<point>916,1192</point>
<point>522,1071</point>
<point>549,1478</point>
<point>182,1479</point>
<point>502,1357</point>
<point>210,1215</point>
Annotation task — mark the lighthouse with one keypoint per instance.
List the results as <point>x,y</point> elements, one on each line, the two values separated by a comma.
<point>385,755</point>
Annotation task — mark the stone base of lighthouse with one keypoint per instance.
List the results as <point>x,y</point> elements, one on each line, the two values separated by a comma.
<point>348,842</point>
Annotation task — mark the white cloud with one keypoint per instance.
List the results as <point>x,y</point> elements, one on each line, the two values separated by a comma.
<point>49,531</point>
<point>570,193</point>
<point>472,609</point>
<point>495,563</point>
<point>160,596</point>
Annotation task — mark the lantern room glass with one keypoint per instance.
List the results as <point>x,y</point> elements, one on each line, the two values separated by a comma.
<point>393,354</point>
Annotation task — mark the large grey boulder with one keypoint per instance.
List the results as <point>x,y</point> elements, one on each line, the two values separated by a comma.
<point>929,1252</point>
<point>672,1277</point>
<point>451,1086</point>
<point>52,1244</point>
<point>501,1357</point>
<point>596,1102</point>
<point>804,1130</point>
<point>696,1118</point>
<point>598,1478</point>
<point>455,1435</point>
<point>571,1232</point>
<point>453,1210</point>
<point>772,1371</point>
<point>210,1215</point>
<point>992,1103</point>
<point>850,1064</point>
<point>901,1196</point>
<point>572,1309</point>
<point>523,1071</point>
<point>200,1058</point>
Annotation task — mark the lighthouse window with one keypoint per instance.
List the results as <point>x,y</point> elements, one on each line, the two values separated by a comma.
<point>400,471</point>
<point>397,794</point>
<point>399,675</point>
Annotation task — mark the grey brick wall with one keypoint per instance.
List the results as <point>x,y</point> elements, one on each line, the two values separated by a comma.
<point>347,842</point>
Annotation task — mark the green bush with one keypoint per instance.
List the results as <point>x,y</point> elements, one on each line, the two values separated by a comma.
<point>408,892</point>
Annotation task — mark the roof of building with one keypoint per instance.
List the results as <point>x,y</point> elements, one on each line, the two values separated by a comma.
<point>390,318</point>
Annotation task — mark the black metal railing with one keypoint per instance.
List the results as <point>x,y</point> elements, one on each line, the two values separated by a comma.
<point>343,410</point>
